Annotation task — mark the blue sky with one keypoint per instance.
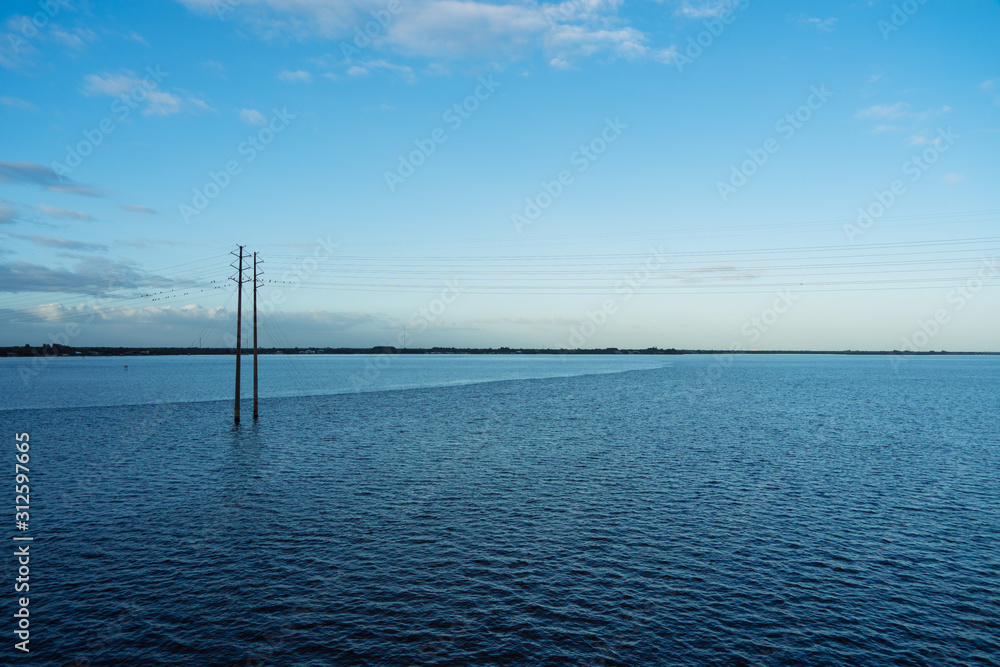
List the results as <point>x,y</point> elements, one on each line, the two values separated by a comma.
<point>581,174</point>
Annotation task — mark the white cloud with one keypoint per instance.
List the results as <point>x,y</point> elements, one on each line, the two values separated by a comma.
<point>15,50</point>
<point>299,76</point>
<point>898,111</point>
<point>405,72</point>
<point>825,25</point>
<point>17,103</point>
<point>155,101</point>
<point>705,9</point>
<point>64,213</point>
<point>991,88</point>
<point>112,85</point>
<point>23,34</point>
<point>77,38</point>
<point>884,111</point>
<point>464,29</point>
<point>215,67</point>
<point>201,105</point>
<point>169,324</point>
<point>163,104</point>
<point>136,37</point>
<point>252,117</point>
<point>451,28</point>
<point>570,42</point>
<point>921,140</point>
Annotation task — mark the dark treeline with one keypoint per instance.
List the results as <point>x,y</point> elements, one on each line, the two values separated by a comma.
<point>57,350</point>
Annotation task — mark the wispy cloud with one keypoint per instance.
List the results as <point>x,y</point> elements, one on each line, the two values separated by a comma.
<point>298,76</point>
<point>155,101</point>
<point>150,243</point>
<point>75,38</point>
<point>76,189</point>
<point>705,8</point>
<point>133,36</point>
<point>215,67</point>
<point>823,25</point>
<point>17,103</point>
<point>64,213</point>
<point>111,84</point>
<point>21,34</point>
<point>551,320</point>
<point>16,51</point>
<point>403,71</point>
<point>716,273</point>
<point>252,117</point>
<point>992,88</point>
<point>884,111</point>
<point>898,117</point>
<point>92,276</point>
<point>42,176</point>
<point>64,244</point>
<point>452,29</point>
<point>182,323</point>
<point>134,208</point>
<point>7,213</point>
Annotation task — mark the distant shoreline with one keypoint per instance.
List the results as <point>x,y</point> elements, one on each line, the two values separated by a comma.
<point>66,351</point>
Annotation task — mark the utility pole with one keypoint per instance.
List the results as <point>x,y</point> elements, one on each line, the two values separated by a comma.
<point>239,318</point>
<point>255,281</point>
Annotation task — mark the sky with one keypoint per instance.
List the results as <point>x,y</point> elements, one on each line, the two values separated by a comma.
<point>584,174</point>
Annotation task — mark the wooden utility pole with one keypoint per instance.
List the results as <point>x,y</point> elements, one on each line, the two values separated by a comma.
<point>255,335</point>
<point>239,334</point>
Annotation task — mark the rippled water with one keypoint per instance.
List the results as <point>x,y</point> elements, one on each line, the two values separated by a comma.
<point>799,510</point>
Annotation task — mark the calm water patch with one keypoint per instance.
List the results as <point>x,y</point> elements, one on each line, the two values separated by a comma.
<point>133,380</point>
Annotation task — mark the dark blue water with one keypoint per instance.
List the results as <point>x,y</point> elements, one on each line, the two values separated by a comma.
<point>793,510</point>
